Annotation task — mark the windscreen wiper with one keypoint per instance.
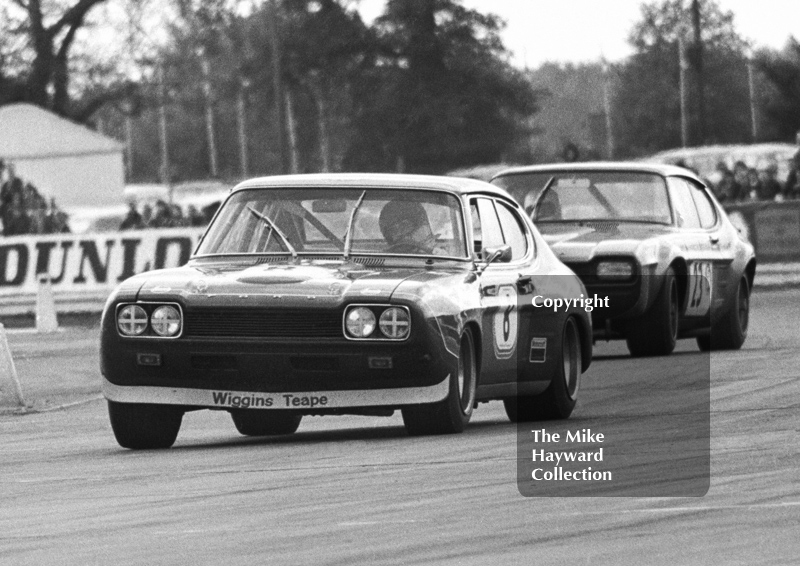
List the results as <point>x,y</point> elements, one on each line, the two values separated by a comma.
<point>348,238</point>
<point>268,221</point>
<point>540,198</point>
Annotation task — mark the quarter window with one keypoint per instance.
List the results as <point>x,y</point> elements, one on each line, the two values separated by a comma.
<point>683,204</point>
<point>705,209</point>
<point>487,231</point>
<point>513,232</point>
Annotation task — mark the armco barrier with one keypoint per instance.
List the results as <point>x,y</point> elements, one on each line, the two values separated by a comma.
<point>84,268</point>
<point>772,227</point>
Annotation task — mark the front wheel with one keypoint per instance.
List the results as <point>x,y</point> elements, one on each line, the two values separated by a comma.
<point>730,332</point>
<point>142,426</point>
<point>265,422</point>
<point>656,333</point>
<point>559,399</point>
<point>453,413</point>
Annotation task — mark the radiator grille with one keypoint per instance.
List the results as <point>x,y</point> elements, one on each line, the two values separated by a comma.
<point>262,323</point>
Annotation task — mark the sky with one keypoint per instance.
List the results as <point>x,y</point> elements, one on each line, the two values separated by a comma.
<point>585,30</point>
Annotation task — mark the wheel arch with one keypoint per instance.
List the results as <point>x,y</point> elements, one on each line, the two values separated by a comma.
<point>585,334</point>
<point>750,272</point>
<point>681,270</point>
<point>475,330</point>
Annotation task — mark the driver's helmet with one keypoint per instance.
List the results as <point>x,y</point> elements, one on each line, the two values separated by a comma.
<point>399,219</point>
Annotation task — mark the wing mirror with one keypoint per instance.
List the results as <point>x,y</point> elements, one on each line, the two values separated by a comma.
<point>500,254</point>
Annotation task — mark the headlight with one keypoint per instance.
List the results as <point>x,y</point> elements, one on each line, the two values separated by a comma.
<point>360,322</point>
<point>614,270</point>
<point>395,323</point>
<point>166,321</point>
<point>131,320</point>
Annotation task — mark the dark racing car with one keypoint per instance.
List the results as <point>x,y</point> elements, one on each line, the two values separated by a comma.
<point>348,294</point>
<point>650,238</point>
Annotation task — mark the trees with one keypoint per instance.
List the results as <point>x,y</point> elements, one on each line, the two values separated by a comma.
<point>647,103</point>
<point>49,32</point>
<point>782,106</point>
<point>440,93</point>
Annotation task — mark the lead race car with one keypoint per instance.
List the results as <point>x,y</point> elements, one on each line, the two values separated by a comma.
<point>348,294</point>
<point>654,240</point>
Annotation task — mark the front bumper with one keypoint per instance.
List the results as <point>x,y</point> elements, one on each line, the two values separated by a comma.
<point>309,401</point>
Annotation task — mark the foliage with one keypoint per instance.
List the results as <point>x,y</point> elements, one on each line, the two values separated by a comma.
<point>441,93</point>
<point>647,103</point>
<point>782,105</point>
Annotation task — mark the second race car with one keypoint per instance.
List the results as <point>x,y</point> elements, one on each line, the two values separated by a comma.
<point>650,238</point>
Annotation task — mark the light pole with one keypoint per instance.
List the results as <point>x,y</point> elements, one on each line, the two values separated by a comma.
<point>127,110</point>
<point>684,66</point>
<point>607,106</point>
<point>241,119</point>
<point>207,94</point>
<point>752,90</point>
<point>166,178</point>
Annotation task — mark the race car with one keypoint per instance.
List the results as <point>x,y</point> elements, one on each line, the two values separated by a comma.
<point>650,238</point>
<point>348,294</point>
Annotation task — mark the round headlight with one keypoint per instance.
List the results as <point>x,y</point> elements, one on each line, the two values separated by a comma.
<point>166,321</point>
<point>131,320</point>
<point>360,322</point>
<point>394,323</point>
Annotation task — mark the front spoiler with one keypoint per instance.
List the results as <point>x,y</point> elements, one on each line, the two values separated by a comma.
<point>297,401</point>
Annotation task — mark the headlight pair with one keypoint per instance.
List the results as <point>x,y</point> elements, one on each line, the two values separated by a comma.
<point>164,320</point>
<point>377,322</point>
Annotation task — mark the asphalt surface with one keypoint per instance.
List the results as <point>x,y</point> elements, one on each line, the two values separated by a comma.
<point>357,490</point>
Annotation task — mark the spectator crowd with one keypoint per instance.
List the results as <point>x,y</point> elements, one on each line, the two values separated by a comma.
<point>23,210</point>
<point>743,183</point>
<point>165,215</point>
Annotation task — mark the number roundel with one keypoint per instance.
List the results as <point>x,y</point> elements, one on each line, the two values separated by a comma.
<point>505,322</point>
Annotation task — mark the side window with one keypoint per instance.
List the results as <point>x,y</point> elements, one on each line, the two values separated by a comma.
<point>477,233</point>
<point>683,204</point>
<point>705,209</point>
<point>491,235</point>
<point>513,231</point>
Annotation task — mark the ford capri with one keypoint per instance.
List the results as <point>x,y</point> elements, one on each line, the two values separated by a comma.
<point>356,294</point>
<point>650,238</point>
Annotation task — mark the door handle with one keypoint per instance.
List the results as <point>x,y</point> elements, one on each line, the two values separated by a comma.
<point>525,285</point>
<point>489,291</point>
<point>714,239</point>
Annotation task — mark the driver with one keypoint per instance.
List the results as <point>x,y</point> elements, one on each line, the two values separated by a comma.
<point>406,228</point>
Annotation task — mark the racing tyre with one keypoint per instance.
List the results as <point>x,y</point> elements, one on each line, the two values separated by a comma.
<point>140,426</point>
<point>453,413</point>
<point>656,333</point>
<point>265,422</point>
<point>730,332</point>
<point>558,400</point>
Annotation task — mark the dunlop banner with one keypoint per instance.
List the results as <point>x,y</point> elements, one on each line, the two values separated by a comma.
<point>81,263</point>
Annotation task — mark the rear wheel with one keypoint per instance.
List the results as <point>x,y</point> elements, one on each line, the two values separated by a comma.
<point>730,332</point>
<point>656,333</point>
<point>453,413</point>
<point>265,422</point>
<point>142,426</point>
<point>558,400</point>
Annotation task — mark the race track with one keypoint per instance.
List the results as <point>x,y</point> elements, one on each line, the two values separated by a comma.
<point>358,490</point>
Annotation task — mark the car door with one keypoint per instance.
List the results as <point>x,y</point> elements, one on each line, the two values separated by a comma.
<point>721,242</point>
<point>699,245</point>
<point>502,287</point>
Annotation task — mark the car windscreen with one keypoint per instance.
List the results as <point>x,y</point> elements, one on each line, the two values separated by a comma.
<point>330,221</point>
<point>588,195</point>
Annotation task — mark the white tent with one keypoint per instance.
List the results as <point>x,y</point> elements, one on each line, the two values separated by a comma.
<point>61,159</point>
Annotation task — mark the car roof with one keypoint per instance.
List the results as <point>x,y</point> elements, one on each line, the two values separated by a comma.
<point>458,185</point>
<point>605,166</point>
